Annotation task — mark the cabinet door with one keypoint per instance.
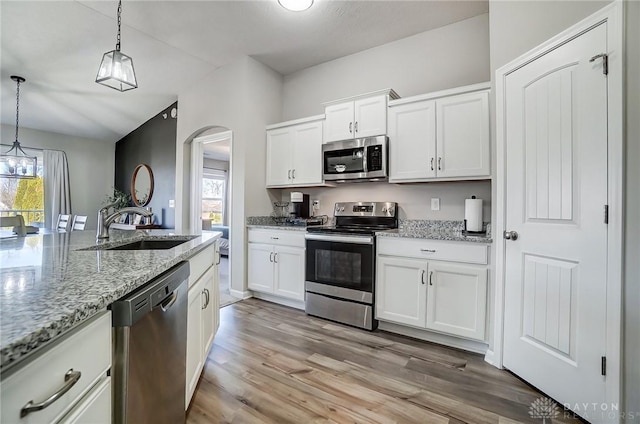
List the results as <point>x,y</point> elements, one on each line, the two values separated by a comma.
<point>194,338</point>
<point>370,116</point>
<point>412,141</point>
<point>289,276</point>
<point>260,266</point>
<point>401,290</point>
<point>457,299</point>
<point>338,122</point>
<point>307,153</point>
<point>279,155</point>
<point>95,408</point>
<point>463,135</point>
<point>209,307</point>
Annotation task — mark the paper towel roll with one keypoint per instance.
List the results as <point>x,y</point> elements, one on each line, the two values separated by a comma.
<point>473,214</point>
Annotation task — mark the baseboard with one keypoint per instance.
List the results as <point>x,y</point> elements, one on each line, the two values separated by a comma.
<point>240,294</point>
<point>298,304</point>
<point>429,336</point>
<point>490,358</point>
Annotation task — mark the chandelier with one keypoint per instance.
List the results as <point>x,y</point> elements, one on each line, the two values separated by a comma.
<point>18,164</point>
<point>116,69</point>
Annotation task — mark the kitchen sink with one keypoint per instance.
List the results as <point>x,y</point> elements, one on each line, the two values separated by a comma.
<point>148,245</point>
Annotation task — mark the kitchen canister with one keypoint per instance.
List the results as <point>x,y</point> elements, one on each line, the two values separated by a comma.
<point>473,215</point>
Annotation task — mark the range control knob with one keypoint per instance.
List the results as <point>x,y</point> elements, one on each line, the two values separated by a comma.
<point>384,210</point>
<point>390,210</point>
<point>342,209</point>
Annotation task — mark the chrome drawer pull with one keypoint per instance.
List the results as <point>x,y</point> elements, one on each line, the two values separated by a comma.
<point>275,238</point>
<point>71,378</point>
<point>428,250</point>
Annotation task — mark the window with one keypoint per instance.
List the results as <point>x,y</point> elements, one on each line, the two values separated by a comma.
<point>213,196</point>
<point>24,196</point>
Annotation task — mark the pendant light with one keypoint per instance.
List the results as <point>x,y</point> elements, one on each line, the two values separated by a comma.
<point>116,69</point>
<point>296,5</point>
<point>18,164</point>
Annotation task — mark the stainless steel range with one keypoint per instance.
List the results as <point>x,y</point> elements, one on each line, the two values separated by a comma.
<point>340,270</point>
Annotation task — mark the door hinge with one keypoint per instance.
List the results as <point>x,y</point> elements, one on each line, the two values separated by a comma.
<point>605,62</point>
<point>606,214</point>
<point>604,365</point>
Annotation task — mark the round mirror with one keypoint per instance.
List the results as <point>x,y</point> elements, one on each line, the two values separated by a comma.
<point>142,185</point>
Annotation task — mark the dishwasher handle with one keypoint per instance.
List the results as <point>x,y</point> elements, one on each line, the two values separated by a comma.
<point>169,301</point>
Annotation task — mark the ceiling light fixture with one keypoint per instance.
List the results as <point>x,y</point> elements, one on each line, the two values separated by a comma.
<point>16,165</point>
<point>116,69</point>
<point>296,5</point>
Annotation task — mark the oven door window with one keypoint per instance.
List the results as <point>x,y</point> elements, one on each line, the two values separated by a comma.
<point>345,161</point>
<point>340,264</point>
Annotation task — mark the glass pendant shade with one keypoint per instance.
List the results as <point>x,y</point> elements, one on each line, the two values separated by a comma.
<point>116,71</point>
<point>296,5</point>
<point>16,165</point>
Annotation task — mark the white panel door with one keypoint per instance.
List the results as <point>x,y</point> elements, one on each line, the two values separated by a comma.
<point>279,156</point>
<point>338,122</point>
<point>370,116</point>
<point>556,188</point>
<point>401,291</point>
<point>194,338</point>
<point>463,135</point>
<point>260,267</point>
<point>208,311</point>
<point>457,299</point>
<point>289,272</point>
<point>307,153</point>
<point>412,141</point>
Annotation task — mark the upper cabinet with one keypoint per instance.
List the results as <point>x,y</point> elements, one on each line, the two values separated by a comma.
<point>294,153</point>
<point>442,135</point>
<point>357,117</point>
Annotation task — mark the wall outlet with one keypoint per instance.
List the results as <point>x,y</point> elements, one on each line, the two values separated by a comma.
<point>172,203</point>
<point>435,204</point>
<point>316,205</point>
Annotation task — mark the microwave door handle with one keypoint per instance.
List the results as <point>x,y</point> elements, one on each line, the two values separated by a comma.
<point>364,159</point>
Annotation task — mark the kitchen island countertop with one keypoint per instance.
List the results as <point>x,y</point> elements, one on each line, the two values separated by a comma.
<point>49,286</point>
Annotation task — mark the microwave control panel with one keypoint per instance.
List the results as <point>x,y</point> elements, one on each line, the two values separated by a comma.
<point>374,158</point>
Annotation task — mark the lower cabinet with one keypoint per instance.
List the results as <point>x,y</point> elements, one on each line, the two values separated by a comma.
<point>442,296</point>
<point>275,268</point>
<point>66,382</point>
<point>203,320</point>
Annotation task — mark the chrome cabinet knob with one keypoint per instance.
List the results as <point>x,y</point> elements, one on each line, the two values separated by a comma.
<point>510,235</point>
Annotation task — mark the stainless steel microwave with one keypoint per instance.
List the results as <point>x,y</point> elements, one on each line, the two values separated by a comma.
<point>362,159</point>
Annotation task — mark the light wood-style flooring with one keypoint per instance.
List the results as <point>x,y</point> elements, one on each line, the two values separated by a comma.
<point>273,364</point>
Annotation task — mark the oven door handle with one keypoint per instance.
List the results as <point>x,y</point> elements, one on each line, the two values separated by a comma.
<point>340,239</point>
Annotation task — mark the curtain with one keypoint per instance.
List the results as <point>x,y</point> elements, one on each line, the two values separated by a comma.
<point>57,191</point>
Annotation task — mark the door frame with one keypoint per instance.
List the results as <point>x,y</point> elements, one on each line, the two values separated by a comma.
<point>613,15</point>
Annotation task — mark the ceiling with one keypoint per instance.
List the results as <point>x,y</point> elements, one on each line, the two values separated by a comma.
<point>57,46</point>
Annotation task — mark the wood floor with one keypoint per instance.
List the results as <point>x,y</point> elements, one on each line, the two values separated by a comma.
<point>273,364</point>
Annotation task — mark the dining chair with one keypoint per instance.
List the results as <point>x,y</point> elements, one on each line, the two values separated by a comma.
<point>79,222</point>
<point>64,222</point>
<point>17,222</point>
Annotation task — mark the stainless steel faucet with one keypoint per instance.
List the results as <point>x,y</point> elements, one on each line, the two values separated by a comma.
<point>105,220</point>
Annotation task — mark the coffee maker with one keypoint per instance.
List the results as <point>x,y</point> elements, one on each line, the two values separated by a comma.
<point>299,205</point>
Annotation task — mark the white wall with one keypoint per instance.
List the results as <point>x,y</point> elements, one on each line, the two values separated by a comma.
<point>414,200</point>
<point>243,97</point>
<point>91,166</point>
<point>447,57</point>
<point>518,26</point>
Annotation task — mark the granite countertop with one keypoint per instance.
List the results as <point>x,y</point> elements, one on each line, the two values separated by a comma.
<point>279,227</point>
<point>436,230</point>
<point>50,287</point>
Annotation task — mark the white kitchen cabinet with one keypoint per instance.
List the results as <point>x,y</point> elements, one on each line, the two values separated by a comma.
<point>415,287</point>
<point>294,153</point>
<point>203,314</point>
<point>357,117</point>
<point>457,299</point>
<point>442,135</point>
<point>78,361</point>
<point>401,294</point>
<point>276,261</point>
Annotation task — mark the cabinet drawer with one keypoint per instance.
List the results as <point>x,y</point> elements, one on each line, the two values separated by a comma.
<point>95,408</point>
<point>280,238</point>
<point>433,250</point>
<point>201,262</point>
<point>87,350</point>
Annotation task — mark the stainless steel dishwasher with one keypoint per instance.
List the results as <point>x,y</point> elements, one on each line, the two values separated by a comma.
<point>150,348</point>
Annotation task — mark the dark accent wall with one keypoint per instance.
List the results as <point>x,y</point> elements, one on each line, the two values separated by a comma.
<point>153,143</point>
